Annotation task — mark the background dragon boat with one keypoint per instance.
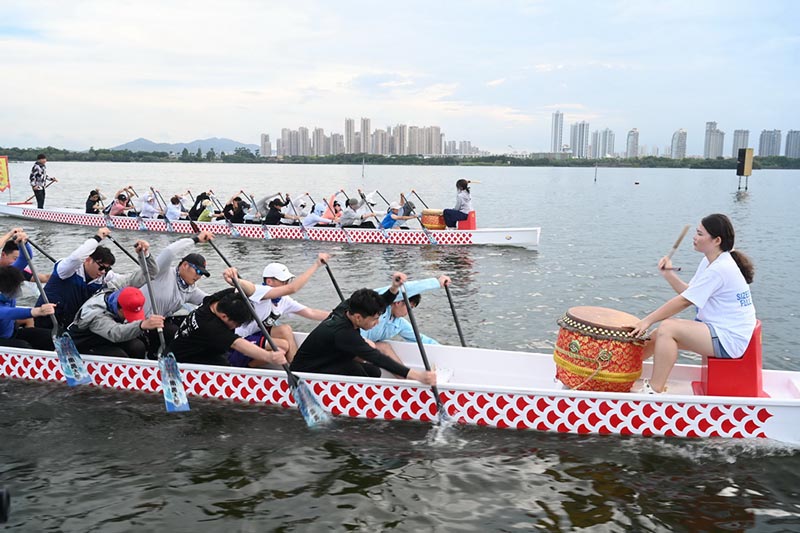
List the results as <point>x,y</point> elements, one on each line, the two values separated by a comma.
<point>498,236</point>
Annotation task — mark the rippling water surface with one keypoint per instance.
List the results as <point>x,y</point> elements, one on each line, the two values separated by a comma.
<point>98,460</point>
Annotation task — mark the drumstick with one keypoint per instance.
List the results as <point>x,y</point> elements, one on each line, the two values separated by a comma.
<point>684,231</point>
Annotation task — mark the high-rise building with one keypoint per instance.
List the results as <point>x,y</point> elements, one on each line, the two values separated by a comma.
<point>401,139</point>
<point>337,144</point>
<point>632,146</point>
<point>677,149</point>
<point>366,136</point>
<point>715,139</point>
<point>579,139</point>
<point>769,143</point>
<point>266,146</point>
<point>593,145</point>
<point>304,141</point>
<point>606,143</point>
<point>556,132</point>
<point>741,138</point>
<point>380,143</point>
<point>414,141</point>
<point>349,136</point>
<point>319,142</point>
<point>793,144</point>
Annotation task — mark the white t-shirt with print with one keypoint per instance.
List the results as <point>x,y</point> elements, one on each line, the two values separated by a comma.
<point>267,311</point>
<point>722,297</point>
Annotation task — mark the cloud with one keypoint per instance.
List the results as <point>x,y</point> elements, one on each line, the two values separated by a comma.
<point>495,83</point>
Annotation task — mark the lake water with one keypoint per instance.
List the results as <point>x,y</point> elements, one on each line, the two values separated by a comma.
<point>91,460</point>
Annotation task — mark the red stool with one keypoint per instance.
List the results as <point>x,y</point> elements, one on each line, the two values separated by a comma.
<point>469,223</point>
<point>733,377</point>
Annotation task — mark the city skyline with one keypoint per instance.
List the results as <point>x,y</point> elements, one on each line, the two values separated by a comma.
<point>99,74</point>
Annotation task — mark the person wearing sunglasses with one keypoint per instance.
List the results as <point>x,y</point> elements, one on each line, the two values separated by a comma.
<point>175,286</point>
<point>86,271</point>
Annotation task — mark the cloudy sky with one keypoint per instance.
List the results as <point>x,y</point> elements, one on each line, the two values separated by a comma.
<point>76,73</point>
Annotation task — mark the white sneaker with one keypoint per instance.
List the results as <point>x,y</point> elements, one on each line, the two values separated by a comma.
<point>648,389</point>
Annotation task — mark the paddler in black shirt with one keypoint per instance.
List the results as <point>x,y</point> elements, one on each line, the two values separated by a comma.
<point>337,347</point>
<point>207,333</point>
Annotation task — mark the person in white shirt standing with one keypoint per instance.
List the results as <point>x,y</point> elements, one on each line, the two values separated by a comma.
<point>720,288</point>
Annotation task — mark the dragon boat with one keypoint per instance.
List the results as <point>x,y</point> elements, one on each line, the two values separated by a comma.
<point>525,237</point>
<point>494,388</point>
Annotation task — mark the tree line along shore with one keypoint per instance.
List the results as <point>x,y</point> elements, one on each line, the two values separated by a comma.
<point>245,155</point>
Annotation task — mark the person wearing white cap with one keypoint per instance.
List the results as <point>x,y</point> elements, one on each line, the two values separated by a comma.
<point>315,217</point>
<point>394,214</point>
<point>272,302</point>
<point>294,210</point>
<point>149,209</point>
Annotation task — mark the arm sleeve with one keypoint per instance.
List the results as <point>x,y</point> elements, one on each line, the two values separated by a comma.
<point>407,332</point>
<point>168,254</point>
<point>413,288</point>
<point>69,265</point>
<point>21,262</point>
<point>14,313</point>
<point>351,342</point>
<point>108,328</point>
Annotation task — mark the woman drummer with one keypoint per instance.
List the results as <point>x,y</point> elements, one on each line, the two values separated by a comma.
<point>463,205</point>
<point>720,289</point>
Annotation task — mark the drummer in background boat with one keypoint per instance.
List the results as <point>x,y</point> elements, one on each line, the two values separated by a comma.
<point>720,288</point>
<point>39,179</point>
<point>337,347</point>
<point>94,203</point>
<point>11,256</point>
<point>272,302</point>
<point>208,332</point>
<point>392,322</point>
<point>353,215</point>
<point>393,216</point>
<point>113,323</point>
<point>13,318</point>
<point>77,277</point>
<point>463,205</point>
<point>175,286</point>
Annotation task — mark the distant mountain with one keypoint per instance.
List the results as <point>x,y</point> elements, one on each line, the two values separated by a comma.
<point>219,145</point>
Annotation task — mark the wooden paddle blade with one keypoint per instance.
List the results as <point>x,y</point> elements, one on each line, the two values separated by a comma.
<point>313,413</point>
<point>71,361</point>
<point>172,384</point>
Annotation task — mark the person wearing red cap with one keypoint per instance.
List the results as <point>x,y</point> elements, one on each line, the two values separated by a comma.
<point>113,323</point>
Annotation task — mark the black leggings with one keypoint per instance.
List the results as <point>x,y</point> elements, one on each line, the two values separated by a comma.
<point>92,344</point>
<point>39,194</point>
<point>36,338</point>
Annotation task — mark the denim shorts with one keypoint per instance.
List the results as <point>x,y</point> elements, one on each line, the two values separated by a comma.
<point>719,351</point>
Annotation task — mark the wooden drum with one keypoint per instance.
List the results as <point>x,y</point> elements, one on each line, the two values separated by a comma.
<point>595,350</point>
<point>433,218</point>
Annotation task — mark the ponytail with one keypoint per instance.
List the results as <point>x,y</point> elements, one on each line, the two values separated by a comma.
<point>463,185</point>
<point>745,265</point>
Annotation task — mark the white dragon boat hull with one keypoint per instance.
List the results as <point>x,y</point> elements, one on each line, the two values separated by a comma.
<point>525,237</point>
<point>495,388</point>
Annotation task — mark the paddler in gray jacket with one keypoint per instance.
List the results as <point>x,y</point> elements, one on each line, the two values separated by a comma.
<point>112,322</point>
<point>175,286</point>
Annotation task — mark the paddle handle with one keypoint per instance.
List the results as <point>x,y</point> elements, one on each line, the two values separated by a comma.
<point>684,231</point>
<point>24,250</point>
<point>146,271</point>
<point>333,280</point>
<point>455,316</point>
<point>41,251</point>
<point>112,239</point>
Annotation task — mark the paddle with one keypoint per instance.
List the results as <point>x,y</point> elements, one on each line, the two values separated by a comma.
<point>162,204</point>
<point>112,239</point>
<point>382,198</point>
<point>302,227</point>
<point>231,228</point>
<point>439,407</point>
<point>418,198</point>
<point>455,316</point>
<point>71,361</point>
<point>41,251</point>
<point>684,231</point>
<point>427,233</point>
<point>377,221</point>
<point>171,383</point>
<point>29,198</point>
<point>333,280</point>
<point>190,194</point>
<point>313,413</point>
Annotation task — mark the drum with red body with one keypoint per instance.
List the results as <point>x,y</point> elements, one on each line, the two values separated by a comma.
<point>433,218</point>
<point>595,350</point>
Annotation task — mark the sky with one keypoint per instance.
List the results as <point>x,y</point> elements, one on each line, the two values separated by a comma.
<point>88,73</point>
